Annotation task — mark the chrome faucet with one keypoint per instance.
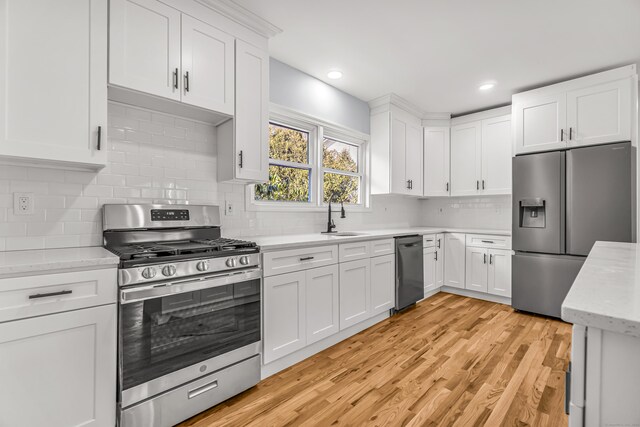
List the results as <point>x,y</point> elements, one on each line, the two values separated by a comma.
<point>330,223</point>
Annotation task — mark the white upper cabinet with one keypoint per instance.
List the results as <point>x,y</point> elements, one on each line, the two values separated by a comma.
<point>243,143</point>
<point>595,109</point>
<point>436,161</point>
<point>157,50</point>
<point>600,113</point>
<point>539,123</point>
<point>496,155</point>
<point>207,66</point>
<point>396,153</point>
<point>53,93</point>
<point>144,47</point>
<point>466,159</point>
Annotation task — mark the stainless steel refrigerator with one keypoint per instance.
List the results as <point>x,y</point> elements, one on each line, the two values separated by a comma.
<point>564,201</point>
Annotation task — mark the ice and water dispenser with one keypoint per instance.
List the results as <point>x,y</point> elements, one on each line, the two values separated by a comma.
<point>532,213</point>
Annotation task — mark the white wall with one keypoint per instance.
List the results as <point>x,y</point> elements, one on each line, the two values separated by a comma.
<point>156,158</point>
<point>301,92</point>
<point>492,212</point>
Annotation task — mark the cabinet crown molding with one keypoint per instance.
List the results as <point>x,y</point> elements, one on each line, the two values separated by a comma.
<point>239,14</point>
<point>382,104</point>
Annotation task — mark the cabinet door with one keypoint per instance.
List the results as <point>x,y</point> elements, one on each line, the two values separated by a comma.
<point>436,161</point>
<point>600,114</point>
<point>413,160</point>
<point>496,155</point>
<point>383,276</point>
<point>399,180</point>
<point>322,303</point>
<point>207,66</point>
<point>540,123</point>
<point>465,159</point>
<point>284,315</point>
<point>144,47</point>
<point>53,93</point>
<point>439,260</point>
<point>252,113</point>
<point>476,271</point>
<point>499,279</point>
<point>355,288</point>
<point>454,265</point>
<point>59,370</point>
<point>429,266</point>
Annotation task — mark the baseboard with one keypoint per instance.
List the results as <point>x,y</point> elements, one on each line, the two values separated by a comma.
<point>430,294</point>
<point>298,356</point>
<point>477,295</point>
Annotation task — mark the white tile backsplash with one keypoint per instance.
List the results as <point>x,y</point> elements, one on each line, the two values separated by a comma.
<point>491,212</point>
<point>159,158</point>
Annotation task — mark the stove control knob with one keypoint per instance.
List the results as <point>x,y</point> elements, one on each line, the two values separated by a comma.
<point>231,262</point>
<point>244,260</point>
<point>149,273</point>
<point>169,270</point>
<point>202,266</point>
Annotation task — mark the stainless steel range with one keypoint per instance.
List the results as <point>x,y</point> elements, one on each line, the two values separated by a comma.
<point>189,311</point>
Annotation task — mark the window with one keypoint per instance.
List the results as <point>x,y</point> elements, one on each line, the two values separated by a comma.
<point>311,164</point>
<point>289,166</point>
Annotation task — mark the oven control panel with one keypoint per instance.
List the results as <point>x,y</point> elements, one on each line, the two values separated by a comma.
<point>169,214</point>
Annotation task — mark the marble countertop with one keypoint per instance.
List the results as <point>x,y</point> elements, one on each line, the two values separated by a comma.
<point>268,243</point>
<point>33,261</point>
<point>606,292</point>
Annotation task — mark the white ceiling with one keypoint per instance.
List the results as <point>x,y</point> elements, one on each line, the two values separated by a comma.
<point>435,53</point>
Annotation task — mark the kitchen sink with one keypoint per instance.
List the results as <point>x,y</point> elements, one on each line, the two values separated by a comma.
<point>345,234</point>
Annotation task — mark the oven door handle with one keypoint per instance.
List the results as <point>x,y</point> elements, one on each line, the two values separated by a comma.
<point>159,290</point>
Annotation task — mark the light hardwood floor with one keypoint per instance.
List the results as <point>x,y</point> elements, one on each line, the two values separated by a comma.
<point>449,361</point>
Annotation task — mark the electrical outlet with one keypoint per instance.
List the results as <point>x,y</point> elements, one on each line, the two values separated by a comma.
<point>229,208</point>
<point>23,203</point>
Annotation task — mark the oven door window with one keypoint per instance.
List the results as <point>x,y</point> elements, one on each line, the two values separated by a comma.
<point>163,335</point>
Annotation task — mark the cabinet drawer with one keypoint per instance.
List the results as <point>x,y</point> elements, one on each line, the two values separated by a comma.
<point>291,260</point>
<point>489,241</point>
<point>30,296</point>
<point>428,240</point>
<point>383,247</point>
<point>354,251</point>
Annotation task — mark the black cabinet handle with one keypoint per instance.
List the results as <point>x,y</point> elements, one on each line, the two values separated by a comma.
<point>487,241</point>
<point>490,258</point>
<point>485,259</point>
<point>50,294</point>
<point>477,185</point>
<point>561,134</point>
<point>447,186</point>
<point>99,143</point>
<point>483,184</point>
<point>307,258</point>
<point>436,252</point>
<point>186,81</point>
<point>175,78</point>
<point>438,243</point>
<point>241,155</point>
<point>570,134</point>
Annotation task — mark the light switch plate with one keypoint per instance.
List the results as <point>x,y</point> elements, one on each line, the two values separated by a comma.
<point>229,208</point>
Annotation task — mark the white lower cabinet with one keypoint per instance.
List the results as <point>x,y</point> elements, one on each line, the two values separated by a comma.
<point>454,264</point>
<point>322,302</point>
<point>429,266</point>
<point>59,370</point>
<point>383,273</point>
<point>355,292</point>
<point>499,274</point>
<point>476,270</point>
<point>284,314</point>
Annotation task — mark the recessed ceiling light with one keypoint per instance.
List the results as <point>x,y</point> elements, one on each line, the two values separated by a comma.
<point>486,86</point>
<point>334,74</point>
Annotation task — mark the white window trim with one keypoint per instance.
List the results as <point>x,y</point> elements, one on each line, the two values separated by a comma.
<point>317,128</point>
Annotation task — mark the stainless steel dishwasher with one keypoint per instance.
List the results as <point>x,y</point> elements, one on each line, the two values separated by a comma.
<point>409,271</point>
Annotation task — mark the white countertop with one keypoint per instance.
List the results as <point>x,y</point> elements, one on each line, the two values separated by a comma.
<point>606,292</point>
<point>33,261</point>
<point>268,243</point>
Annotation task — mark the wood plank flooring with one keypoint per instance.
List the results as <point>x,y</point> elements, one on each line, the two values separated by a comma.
<point>449,361</point>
